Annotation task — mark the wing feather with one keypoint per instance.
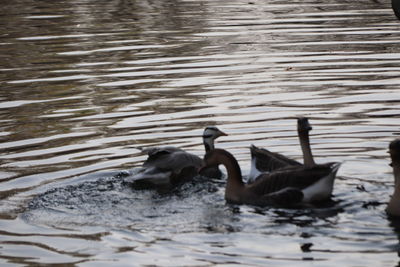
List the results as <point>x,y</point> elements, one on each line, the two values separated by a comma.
<point>268,161</point>
<point>298,178</point>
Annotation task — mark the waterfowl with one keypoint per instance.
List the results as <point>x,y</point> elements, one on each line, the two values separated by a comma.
<point>393,207</point>
<point>283,187</point>
<point>263,160</point>
<point>169,166</point>
<point>323,188</point>
<point>396,8</point>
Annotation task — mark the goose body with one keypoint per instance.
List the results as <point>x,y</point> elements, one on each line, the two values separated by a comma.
<point>263,160</point>
<point>168,166</point>
<point>393,207</point>
<point>283,187</point>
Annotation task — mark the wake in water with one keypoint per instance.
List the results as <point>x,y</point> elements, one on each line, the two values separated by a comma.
<point>111,201</point>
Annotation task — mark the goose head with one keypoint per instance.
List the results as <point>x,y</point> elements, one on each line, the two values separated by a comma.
<point>303,125</point>
<point>209,135</point>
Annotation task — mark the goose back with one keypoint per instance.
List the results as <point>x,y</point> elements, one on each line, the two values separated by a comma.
<point>176,159</point>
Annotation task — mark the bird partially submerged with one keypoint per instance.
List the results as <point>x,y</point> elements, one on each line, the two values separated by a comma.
<point>169,166</point>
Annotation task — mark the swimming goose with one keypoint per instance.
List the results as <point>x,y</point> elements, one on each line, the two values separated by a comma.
<point>393,208</point>
<point>168,166</point>
<point>282,187</point>
<point>396,8</point>
<point>263,160</point>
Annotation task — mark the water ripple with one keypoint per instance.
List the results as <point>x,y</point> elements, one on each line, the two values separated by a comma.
<point>85,84</point>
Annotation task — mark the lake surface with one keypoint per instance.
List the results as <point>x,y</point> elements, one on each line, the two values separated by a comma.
<point>85,83</point>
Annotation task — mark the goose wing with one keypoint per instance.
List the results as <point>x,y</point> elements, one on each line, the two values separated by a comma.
<point>267,161</point>
<point>263,160</point>
<point>158,154</point>
<point>172,160</point>
<point>298,178</point>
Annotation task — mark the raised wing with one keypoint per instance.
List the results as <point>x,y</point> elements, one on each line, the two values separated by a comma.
<point>267,161</point>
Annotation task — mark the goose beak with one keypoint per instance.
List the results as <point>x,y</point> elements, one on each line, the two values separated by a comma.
<point>221,133</point>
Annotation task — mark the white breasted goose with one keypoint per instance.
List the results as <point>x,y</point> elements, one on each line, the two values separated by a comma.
<point>168,166</point>
<point>283,187</point>
<point>393,208</point>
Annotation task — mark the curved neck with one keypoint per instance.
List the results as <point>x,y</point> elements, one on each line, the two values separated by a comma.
<point>233,169</point>
<point>396,173</point>
<point>208,143</point>
<point>306,148</point>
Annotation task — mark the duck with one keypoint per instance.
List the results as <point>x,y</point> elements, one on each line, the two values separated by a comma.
<point>393,207</point>
<point>169,166</point>
<point>263,160</point>
<point>285,187</point>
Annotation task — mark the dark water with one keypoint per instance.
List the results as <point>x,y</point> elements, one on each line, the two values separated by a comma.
<point>84,83</point>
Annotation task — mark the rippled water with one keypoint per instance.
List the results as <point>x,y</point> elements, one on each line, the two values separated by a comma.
<point>84,83</point>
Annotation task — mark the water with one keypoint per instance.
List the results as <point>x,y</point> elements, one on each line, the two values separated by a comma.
<point>84,83</point>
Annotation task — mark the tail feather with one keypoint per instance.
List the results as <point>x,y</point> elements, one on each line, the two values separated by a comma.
<point>335,167</point>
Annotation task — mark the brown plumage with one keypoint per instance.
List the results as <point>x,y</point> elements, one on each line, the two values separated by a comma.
<point>393,208</point>
<point>169,166</point>
<point>285,187</point>
<point>263,160</point>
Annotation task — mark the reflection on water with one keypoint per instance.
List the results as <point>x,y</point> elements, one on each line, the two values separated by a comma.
<point>84,84</point>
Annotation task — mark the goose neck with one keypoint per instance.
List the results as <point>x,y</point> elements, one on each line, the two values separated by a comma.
<point>306,148</point>
<point>208,144</point>
<point>233,170</point>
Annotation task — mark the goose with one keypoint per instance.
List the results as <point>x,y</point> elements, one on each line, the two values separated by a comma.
<point>168,166</point>
<point>396,8</point>
<point>263,160</point>
<point>393,207</point>
<point>323,187</point>
<point>283,187</point>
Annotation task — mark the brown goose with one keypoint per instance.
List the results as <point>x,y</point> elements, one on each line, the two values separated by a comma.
<point>284,187</point>
<point>263,160</point>
<point>168,166</point>
<point>393,208</point>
